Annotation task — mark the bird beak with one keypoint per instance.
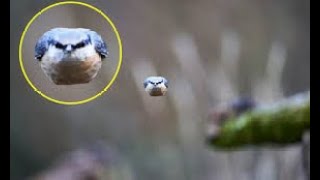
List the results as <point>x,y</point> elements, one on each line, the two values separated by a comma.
<point>68,48</point>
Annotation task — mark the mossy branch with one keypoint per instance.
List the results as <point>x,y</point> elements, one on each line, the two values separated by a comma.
<point>282,123</point>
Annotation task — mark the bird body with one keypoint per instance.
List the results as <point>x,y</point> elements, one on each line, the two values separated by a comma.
<point>70,55</point>
<point>71,71</point>
<point>156,85</point>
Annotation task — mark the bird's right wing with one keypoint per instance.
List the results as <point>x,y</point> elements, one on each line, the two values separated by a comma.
<point>42,45</point>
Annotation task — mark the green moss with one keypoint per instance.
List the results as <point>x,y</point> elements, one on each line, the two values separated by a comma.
<point>275,126</point>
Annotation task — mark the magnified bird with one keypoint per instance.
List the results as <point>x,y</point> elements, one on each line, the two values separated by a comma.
<point>156,85</point>
<point>70,55</point>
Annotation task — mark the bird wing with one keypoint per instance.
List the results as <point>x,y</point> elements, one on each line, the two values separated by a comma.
<point>99,44</point>
<point>145,83</point>
<point>42,45</point>
<point>166,82</point>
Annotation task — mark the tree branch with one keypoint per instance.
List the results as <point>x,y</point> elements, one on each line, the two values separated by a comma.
<point>279,124</point>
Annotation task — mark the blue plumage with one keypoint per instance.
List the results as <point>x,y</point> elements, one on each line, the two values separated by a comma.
<point>69,36</point>
<point>156,85</point>
<point>155,80</point>
<point>99,44</point>
<point>43,45</point>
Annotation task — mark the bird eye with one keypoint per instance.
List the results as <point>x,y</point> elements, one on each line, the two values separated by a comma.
<point>59,46</point>
<point>79,45</point>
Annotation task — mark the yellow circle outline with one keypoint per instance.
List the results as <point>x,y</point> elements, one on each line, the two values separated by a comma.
<point>90,98</point>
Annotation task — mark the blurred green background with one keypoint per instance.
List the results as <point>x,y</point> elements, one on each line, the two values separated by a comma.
<point>210,50</point>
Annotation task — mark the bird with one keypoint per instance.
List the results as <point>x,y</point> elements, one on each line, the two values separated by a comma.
<point>156,85</point>
<point>70,56</point>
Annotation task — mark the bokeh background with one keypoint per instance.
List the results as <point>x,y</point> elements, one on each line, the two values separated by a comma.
<point>210,50</point>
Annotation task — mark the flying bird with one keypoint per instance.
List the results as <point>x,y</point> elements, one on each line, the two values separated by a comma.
<point>70,55</point>
<point>156,85</point>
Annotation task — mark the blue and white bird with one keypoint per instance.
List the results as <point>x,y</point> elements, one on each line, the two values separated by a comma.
<point>70,55</point>
<point>156,85</point>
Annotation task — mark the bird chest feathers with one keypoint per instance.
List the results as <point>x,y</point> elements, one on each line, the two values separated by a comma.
<point>69,72</point>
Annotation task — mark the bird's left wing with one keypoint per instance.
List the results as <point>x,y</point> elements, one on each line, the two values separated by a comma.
<point>99,44</point>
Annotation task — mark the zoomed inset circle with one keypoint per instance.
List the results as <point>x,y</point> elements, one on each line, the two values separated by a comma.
<point>88,99</point>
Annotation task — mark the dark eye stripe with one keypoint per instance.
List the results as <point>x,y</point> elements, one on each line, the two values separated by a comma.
<point>79,45</point>
<point>60,46</point>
